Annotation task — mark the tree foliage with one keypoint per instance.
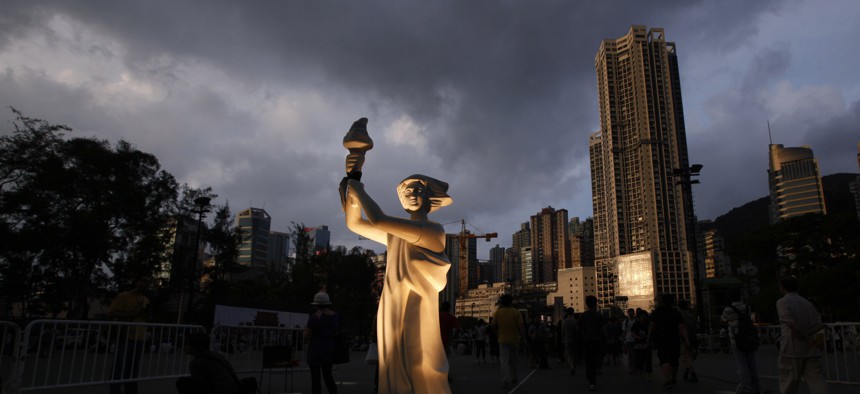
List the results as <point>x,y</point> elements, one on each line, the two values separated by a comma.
<point>74,210</point>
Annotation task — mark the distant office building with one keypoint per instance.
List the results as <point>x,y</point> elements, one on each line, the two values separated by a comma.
<point>581,242</point>
<point>278,254</point>
<point>482,301</point>
<point>497,258</point>
<point>795,183</point>
<point>574,284</point>
<point>321,237</point>
<point>179,253</point>
<point>640,170</point>
<point>254,224</point>
<point>512,271</point>
<point>514,264</point>
<point>461,278</point>
<point>550,244</point>
<point>527,265</point>
<point>717,262</point>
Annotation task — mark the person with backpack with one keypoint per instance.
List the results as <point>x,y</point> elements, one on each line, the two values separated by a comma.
<point>800,342</point>
<point>743,341</point>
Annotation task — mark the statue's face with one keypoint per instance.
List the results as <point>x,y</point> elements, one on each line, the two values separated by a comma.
<point>413,197</point>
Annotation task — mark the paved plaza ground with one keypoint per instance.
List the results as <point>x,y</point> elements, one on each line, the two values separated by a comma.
<point>716,375</point>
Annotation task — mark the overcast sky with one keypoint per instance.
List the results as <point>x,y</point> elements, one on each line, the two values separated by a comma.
<point>497,98</point>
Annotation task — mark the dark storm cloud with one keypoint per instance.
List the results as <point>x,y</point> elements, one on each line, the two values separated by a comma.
<point>505,91</point>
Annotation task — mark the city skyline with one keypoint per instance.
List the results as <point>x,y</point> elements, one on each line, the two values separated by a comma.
<point>496,100</point>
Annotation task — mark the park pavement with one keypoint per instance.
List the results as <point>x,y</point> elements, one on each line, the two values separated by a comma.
<point>716,375</point>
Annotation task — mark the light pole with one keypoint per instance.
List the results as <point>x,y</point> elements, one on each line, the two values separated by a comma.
<point>202,205</point>
<point>684,176</point>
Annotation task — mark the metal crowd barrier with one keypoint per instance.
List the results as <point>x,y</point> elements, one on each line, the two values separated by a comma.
<point>68,353</point>
<point>10,339</point>
<point>840,356</point>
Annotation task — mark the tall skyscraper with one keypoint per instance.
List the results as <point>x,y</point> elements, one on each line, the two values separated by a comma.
<point>640,173</point>
<point>550,244</point>
<point>795,183</point>
<point>254,224</point>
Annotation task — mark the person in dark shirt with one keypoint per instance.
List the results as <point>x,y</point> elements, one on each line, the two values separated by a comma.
<point>641,345</point>
<point>667,329</point>
<point>320,334</point>
<point>591,324</point>
<point>211,373</point>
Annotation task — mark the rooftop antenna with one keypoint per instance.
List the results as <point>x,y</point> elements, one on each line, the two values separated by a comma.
<point>769,136</point>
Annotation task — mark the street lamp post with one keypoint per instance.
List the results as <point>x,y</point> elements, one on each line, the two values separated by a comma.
<point>202,205</point>
<point>684,176</point>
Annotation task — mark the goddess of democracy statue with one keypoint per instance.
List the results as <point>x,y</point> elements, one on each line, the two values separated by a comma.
<point>411,356</point>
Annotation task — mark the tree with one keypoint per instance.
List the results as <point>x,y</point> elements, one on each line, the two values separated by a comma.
<point>79,211</point>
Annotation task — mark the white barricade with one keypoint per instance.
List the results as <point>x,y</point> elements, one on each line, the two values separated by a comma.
<point>840,356</point>
<point>67,353</point>
<point>10,339</point>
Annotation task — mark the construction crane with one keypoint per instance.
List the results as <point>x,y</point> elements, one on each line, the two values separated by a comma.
<point>462,239</point>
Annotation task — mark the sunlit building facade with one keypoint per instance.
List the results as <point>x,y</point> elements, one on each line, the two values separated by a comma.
<point>641,204</point>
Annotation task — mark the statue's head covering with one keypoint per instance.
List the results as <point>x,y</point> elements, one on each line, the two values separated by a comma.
<point>436,190</point>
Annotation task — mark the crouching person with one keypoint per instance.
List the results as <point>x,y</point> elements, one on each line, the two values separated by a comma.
<point>210,371</point>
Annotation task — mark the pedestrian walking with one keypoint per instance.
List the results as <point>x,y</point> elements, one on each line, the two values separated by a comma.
<point>800,344</point>
<point>668,331</point>
<point>508,323</point>
<point>448,326</point>
<point>642,344</point>
<point>627,328</point>
<point>614,340</point>
<point>571,339</point>
<point>320,334</point>
<point>493,338</point>
<point>737,316</point>
<point>591,324</point>
<point>538,335</point>
<point>689,350</point>
<point>481,341</point>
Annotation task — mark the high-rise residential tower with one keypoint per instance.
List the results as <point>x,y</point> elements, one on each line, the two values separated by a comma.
<point>550,244</point>
<point>795,183</point>
<point>640,173</point>
<point>254,224</point>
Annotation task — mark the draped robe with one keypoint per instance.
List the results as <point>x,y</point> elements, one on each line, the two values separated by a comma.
<point>411,356</point>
